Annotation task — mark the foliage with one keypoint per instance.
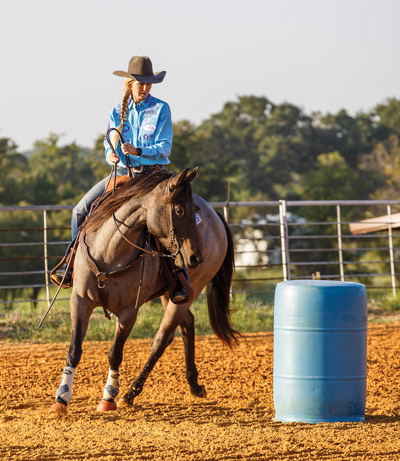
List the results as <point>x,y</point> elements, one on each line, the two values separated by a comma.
<point>13,167</point>
<point>59,174</point>
<point>261,149</point>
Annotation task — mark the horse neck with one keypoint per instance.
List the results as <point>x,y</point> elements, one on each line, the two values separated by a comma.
<point>108,245</point>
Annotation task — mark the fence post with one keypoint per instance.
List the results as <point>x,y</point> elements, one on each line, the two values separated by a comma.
<point>340,247</point>
<point>226,213</point>
<point>391,257</point>
<point>46,262</point>
<point>284,240</point>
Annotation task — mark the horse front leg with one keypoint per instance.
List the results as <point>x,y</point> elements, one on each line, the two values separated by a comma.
<point>80,314</point>
<point>115,354</point>
<point>186,329</point>
<point>173,316</point>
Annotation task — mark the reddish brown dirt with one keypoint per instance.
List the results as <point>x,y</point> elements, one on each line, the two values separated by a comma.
<point>234,422</point>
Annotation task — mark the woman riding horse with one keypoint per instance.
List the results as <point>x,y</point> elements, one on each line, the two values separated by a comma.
<point>146,127</point>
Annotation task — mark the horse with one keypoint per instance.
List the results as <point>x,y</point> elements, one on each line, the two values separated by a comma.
<point>117,268</point>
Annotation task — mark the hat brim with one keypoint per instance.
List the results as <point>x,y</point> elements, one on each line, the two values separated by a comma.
<point>158,77</point>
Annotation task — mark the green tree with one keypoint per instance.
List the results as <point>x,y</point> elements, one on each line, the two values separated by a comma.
<point>97,160</point>
<point>59,174</point>
<point>383,165</point>
<point>13,167</point>
<point>387,117</point>
<point>351,136</point>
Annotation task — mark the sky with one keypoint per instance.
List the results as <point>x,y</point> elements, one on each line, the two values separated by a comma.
<point>58,58</point>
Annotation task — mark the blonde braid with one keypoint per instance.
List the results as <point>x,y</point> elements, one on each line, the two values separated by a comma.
<point>124,110</point>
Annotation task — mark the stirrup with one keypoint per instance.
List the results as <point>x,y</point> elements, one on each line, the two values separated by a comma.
<point>60,277</point>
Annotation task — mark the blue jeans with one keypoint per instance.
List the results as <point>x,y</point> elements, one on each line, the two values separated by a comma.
<point>82,209</point>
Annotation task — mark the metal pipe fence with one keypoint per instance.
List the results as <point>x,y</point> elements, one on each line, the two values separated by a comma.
<point>274,241</point>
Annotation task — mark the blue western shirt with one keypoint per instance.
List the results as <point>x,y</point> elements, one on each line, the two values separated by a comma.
<point>148,125</point>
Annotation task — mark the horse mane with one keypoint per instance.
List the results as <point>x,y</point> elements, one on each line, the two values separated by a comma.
<point>137,187</point>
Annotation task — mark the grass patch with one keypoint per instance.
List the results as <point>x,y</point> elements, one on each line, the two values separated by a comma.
<point>384,303</point>
<point>249,315</point>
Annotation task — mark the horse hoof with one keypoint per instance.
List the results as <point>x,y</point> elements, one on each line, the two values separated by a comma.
<point>200,392</point>
<point>105,405</point>
<point>59,408</point>
<point>122,403</point>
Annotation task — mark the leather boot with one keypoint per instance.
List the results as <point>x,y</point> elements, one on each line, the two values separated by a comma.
<point>180,294</point>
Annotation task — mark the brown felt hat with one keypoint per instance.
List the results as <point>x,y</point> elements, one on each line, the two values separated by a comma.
<point>141,69</point>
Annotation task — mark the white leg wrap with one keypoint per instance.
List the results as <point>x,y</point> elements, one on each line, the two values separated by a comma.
<point>111,389</point>
<point>65,389</point>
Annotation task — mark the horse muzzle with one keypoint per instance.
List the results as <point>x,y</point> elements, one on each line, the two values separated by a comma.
<point>190,262</point>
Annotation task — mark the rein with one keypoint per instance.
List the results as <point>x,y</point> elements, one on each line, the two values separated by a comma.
<point>153,253</point>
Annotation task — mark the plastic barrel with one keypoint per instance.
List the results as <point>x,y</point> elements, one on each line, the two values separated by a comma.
<point>320,351</point>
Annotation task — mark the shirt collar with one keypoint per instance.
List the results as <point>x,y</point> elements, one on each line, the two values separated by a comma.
<point>144,103</point>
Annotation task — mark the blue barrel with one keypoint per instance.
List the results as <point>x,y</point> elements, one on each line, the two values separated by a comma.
<point>320,351</point>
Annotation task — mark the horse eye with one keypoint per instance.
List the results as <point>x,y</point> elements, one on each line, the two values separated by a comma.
<point>179,211</point>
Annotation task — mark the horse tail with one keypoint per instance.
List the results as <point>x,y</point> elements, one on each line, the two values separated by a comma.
<point>218,295</point>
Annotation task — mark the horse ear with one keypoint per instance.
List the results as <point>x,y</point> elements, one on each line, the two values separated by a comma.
<point>193,174</point>
<point>177,180</point>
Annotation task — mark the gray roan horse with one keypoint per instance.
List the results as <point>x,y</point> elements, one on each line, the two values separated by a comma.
<point>110,272</point>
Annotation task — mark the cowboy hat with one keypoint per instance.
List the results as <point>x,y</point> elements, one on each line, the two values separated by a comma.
<point>141,69</point>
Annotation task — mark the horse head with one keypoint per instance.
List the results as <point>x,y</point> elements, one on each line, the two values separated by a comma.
<point>173,219</point>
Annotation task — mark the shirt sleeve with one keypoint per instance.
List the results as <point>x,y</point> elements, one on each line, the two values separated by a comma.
<point>113,122</point>
<point>162,137</point>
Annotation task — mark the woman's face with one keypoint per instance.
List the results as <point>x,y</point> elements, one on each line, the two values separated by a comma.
<point>140,91</point>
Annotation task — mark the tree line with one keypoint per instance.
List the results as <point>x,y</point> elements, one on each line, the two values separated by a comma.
<point>266,151</point>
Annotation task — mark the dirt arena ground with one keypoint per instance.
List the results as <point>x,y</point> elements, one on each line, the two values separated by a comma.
<point>234,422</point>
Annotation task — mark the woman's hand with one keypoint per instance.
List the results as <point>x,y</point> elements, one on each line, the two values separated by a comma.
<point>113,158</point>
<point>128,149</point>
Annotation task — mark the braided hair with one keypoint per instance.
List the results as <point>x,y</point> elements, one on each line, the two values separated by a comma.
<point>124,110</point>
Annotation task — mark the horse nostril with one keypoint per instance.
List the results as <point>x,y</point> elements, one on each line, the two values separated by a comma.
<point>195,260</point>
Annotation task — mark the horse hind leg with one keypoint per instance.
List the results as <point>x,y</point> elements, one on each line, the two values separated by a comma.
<point>173,316</point>
<point>160,343</point>
<point>187,331</point>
